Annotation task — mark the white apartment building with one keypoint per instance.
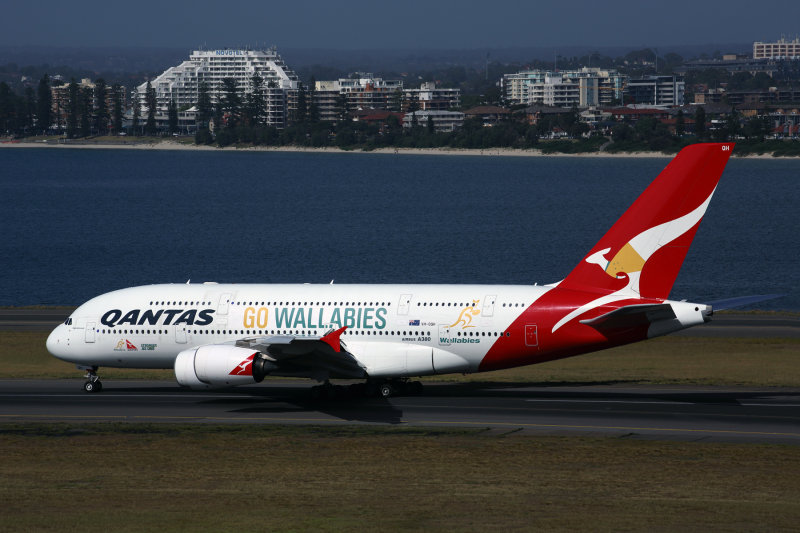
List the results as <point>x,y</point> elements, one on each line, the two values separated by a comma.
<point>581,88</point>
<point>443,121</point>
<point>656,90</point>
<point>430,97</point>
<point>781,49</point>
<point>180,84</point>
<point>361,91</point>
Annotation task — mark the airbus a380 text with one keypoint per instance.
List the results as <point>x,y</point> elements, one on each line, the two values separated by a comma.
<point>220,335</point>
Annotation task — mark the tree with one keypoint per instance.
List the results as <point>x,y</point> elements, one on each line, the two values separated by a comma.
<point>341,105</point>
<point>302,107</point>
<point>29,109</point>
<point>754,129</point>
<point>313,109</point>
<point>231,102</point>
<point>137,113</point>
<point>101,114</point>
<point>44,104</point>
<point>255,104</point>
<point>8,109</point>
<point>700,122</point>
<point>396,102</point>
<point>73,109</point>
<point>172,113</point>
<point>732,125</point>
<point>413,107</point>
<point>430,125</point>
<point>86,111</point>
<point>151,102</point>
<point>204,107</point>
<point>116,108</point>
<point>680,125</point>
<point>204,112</point>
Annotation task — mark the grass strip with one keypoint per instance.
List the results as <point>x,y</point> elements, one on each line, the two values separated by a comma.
<point>666,360</point>
<point>131,477</point>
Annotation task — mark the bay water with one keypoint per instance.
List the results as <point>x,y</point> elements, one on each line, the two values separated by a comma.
<point>75,223</point>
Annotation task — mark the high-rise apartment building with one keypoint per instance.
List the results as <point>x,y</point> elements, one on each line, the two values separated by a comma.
<point>781,49</point>
<point>180,84</point>
<point>656,90</point>
<point>360,91</point>
<point>586,87</point>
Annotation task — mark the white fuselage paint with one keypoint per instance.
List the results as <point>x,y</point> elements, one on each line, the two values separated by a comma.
<point>392,330</point>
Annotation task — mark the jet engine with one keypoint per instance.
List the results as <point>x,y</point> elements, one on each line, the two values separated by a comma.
<point>219,366</point>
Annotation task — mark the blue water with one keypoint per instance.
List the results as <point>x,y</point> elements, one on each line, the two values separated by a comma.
<point>76,223</point>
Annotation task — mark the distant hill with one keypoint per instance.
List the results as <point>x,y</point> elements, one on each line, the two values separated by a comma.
<point>156,59</point>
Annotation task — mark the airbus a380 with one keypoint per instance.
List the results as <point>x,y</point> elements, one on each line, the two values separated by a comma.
<point>221,335</point>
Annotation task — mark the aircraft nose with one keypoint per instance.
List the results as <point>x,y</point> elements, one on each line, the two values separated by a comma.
<point>57,342</point>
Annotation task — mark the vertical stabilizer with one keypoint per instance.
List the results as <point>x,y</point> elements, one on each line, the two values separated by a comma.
<point>643,251</point>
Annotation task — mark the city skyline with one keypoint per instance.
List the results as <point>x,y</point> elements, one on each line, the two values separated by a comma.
<point>412,24</point>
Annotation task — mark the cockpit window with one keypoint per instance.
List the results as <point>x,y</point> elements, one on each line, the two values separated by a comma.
<point>68,322</point>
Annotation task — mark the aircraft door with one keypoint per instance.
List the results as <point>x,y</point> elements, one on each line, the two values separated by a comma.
<point>180,334</point>
<point>89,332</point>
<point>488,305</point>
<point>531,335</point>
<point>444,336</point>
<point>224,302</point>
<point>403,304</point>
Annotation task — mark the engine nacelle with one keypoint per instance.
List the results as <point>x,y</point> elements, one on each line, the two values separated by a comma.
<point>216,366</point>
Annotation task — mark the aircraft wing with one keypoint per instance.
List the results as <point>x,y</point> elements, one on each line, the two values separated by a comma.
<point>631,316</point>
<point>289,354</point>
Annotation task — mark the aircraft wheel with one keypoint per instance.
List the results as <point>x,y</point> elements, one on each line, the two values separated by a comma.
<point>385,390</point>
<point>92,386</point>
<point>415,388</point>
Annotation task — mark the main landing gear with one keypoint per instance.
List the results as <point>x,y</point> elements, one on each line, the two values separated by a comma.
<point>382,388</point>
<point>394,387</point>
<point>93,383</point>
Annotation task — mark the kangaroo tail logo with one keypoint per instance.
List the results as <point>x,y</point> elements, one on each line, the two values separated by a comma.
<point>465,318</point>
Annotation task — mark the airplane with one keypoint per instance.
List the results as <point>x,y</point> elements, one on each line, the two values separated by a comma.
<point>223,335</point>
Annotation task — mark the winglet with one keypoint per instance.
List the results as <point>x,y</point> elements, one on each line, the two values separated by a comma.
<point>332,339</point>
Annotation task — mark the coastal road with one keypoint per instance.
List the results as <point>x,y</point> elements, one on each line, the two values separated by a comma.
<point>669,412</point>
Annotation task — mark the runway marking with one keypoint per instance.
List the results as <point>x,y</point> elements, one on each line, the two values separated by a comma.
<point>611,401</point>
<point>426,422</point>
<point>61,416</point>
<point>771,404</point>
<point>80,395</point>
<point>626,428</point>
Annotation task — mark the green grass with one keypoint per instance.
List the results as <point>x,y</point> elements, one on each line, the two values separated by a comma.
<point>689,360</point>
<point>273,478</point>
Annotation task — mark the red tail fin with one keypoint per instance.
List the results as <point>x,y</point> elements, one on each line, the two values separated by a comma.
<point>644,250</point>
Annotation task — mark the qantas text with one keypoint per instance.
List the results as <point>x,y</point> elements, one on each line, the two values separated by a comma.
<point>135,317</point>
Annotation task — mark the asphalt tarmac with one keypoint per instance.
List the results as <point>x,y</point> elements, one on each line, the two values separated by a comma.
<point>644,412</point>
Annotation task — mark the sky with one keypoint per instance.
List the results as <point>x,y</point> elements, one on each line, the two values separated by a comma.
<point>400,24</point>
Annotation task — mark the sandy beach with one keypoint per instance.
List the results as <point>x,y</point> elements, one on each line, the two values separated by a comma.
<point>489,152</point>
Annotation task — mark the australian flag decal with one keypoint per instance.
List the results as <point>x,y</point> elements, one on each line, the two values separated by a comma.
<point>413,322</point>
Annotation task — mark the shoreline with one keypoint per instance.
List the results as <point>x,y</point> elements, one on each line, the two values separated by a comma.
<point>489,152</point>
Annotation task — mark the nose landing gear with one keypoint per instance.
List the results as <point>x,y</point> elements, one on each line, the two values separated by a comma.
<point>93,383</point>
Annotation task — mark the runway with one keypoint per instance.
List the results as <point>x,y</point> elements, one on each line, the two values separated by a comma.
<point>669,412</point>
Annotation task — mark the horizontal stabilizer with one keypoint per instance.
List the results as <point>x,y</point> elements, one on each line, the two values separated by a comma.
<point>741,301</point>
<point>631,316</point>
